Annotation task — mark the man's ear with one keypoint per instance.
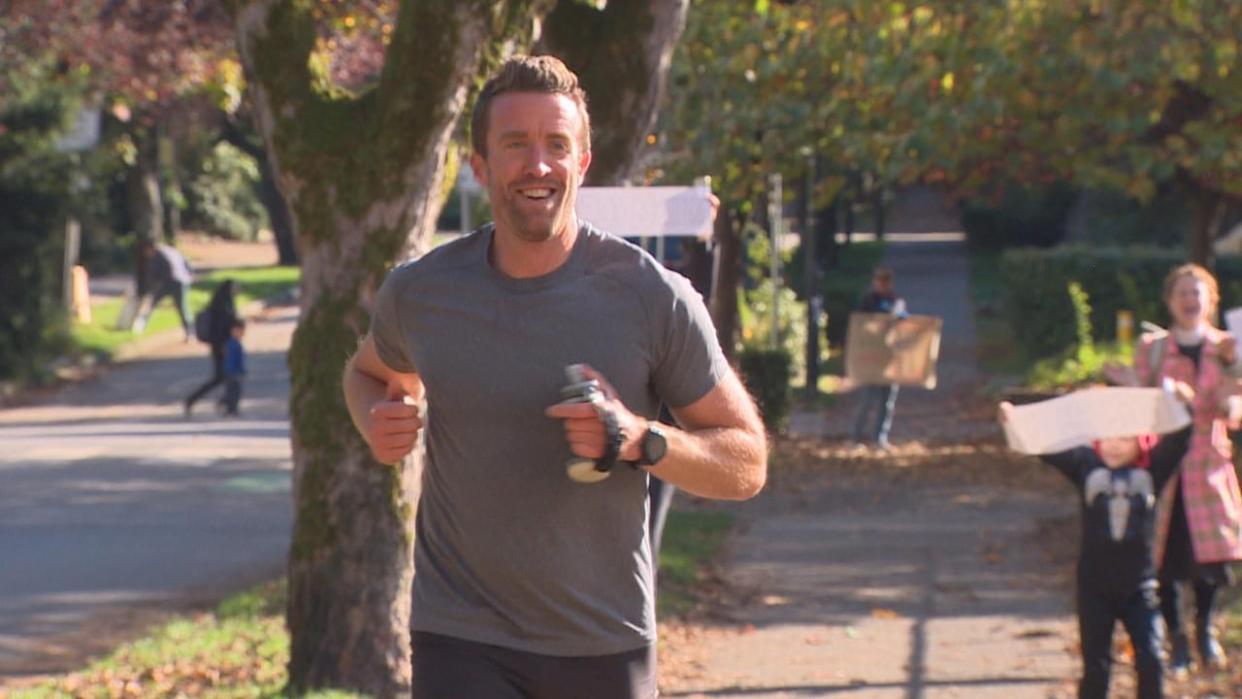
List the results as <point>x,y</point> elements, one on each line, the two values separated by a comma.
<point>584,162</point>
<point>478,165</point>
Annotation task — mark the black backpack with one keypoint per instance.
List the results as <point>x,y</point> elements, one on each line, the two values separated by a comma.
<point>202,324</point>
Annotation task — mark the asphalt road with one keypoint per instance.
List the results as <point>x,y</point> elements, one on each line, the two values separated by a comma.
<point>115,508</point>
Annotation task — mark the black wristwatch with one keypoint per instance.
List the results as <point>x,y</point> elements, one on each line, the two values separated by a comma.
<point>653,446</point>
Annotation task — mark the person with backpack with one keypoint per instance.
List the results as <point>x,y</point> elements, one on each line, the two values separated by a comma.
<point>214,325</point>
<point>1200,526</point>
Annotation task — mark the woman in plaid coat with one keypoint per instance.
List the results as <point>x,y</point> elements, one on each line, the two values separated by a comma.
<point>1199,526</point>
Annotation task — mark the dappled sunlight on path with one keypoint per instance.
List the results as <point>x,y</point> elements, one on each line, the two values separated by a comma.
<point>937,568</point>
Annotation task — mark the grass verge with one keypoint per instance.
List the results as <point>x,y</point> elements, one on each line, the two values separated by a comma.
<point>692,542</point>
<point>101,338</point>
<point>241,649</point>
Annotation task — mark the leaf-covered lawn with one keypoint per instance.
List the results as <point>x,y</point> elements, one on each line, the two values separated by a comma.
<point>241,649</point>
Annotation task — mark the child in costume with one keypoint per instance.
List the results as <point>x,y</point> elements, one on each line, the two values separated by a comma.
<point>1118,479</point>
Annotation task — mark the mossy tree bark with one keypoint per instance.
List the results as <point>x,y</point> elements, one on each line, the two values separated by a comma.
<point>364,180</point>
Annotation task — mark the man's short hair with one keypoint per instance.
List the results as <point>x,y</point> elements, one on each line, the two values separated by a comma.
<point>541,74</point>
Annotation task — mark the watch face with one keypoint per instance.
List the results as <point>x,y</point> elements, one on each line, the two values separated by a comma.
<point>654,445</point>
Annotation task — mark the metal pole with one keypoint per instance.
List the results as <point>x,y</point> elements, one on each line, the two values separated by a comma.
<point>774,219</point>
<point>814,295</point>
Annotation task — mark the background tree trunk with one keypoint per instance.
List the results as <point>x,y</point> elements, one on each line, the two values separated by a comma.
<point>144,201</point>
<point>277,214</point>
<point>1209,216</point>
<point>268,190</point>
<point>621,54</point>
<point>170,185</point>
<point>728,277</point>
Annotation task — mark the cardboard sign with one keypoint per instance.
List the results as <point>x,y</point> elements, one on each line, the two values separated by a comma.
<point>1082,417</point>
<point>647,212</point>
<point>883,349</point>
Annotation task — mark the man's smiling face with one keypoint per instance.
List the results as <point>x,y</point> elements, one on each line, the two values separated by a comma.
<point>534,165</point>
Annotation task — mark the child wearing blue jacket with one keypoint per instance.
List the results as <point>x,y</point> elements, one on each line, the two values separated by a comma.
<point>234,368</point>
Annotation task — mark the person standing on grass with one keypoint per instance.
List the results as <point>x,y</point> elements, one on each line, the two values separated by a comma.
<point>528,583</point>
<point>222,315</point>
<point>875,414</point>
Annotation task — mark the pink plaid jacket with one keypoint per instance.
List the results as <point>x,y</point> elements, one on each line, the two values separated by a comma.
<point>1207,477</point>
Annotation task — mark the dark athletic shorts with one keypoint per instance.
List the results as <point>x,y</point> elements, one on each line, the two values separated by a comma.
<point>450,668</point>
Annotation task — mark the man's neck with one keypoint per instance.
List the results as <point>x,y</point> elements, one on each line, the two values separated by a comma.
<point>522,259</point>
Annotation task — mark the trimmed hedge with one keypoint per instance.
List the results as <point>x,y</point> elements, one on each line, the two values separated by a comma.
<point>767,373</point>
<point>1023,216</point>
<point>1042,315</point>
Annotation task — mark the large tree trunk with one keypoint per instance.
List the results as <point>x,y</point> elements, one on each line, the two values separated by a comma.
<point>622,54</point>
<point>363,180</point>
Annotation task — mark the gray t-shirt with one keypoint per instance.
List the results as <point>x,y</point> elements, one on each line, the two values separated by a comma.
<point>509,551</point>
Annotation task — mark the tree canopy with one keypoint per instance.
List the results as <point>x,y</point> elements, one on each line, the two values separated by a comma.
<point>1103,94</point>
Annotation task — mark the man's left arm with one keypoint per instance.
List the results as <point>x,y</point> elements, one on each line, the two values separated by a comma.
<point>720,451</point>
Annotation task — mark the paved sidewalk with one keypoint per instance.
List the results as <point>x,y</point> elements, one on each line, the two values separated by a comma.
<point>865,583</point>
<point>115,507</point>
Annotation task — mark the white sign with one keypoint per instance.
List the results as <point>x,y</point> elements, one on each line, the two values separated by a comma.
<point>84,134</point>
<point>465,179</point>
<point>1081,417</point>
<point>647,212</point>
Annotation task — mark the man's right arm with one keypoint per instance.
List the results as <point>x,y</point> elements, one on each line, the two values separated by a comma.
<point>383,403</point>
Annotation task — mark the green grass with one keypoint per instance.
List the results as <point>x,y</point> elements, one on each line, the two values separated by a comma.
<point>241,649</point>
<point>100,336</point>
<point>692,541</point>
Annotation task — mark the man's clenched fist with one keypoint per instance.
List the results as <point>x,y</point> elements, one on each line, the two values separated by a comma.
<point>392,427</point>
